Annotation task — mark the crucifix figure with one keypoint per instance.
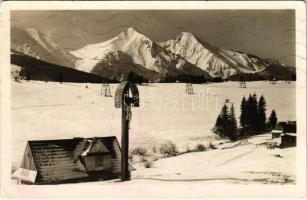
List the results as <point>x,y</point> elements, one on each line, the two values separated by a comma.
<point>125,102</point>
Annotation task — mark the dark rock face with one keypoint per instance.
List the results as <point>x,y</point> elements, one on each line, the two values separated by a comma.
<point>118,64</point>
<point>35,69</point>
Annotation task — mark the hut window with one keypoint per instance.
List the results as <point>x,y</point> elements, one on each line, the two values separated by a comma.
<point>98,161</point>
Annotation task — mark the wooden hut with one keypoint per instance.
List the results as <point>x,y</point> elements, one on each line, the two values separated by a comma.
<point>288,138</point>
<point>276,133</point>
<point>73,160</point>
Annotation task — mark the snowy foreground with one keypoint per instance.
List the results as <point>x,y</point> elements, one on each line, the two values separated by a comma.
<point>240,162</point>
<point>42,110</point>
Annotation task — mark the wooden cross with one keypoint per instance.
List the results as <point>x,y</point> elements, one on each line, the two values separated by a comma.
<point>124,101</point>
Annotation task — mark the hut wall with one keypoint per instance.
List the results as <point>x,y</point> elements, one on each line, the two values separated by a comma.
<point>27,160</point>
<point>288,141</point>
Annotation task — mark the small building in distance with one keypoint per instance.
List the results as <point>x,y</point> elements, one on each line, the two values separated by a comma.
<point>276,133</point>
<point>73,160</point>
<point>288,138</point>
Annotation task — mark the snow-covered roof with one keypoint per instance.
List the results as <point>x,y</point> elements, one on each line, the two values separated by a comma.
<point>290,134</point>
<point>276,131</point>
<point>58,160</point>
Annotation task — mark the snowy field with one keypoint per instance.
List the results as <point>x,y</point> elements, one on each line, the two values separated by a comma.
<point>48,110</point>
<point>240,162</point>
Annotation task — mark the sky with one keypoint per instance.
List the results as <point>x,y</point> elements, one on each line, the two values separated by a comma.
<point>265,33</point>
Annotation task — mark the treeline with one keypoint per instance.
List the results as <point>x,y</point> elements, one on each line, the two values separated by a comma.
<point>262,77</point>
<point>35,69</point>
<point>135,78</point>
<point>252,119</point>
<point>185,78</point>
<point>253,116</point>
<point>272,72</point>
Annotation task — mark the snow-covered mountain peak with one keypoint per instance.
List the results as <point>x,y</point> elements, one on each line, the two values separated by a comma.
<point>184,38</point>
<point>216,61</point>
<point>182,56</point>
<point>140,49</point>
<point>186,35</point>
<point>187,46</point>
<point>131,33</point>
<point>130,42</point>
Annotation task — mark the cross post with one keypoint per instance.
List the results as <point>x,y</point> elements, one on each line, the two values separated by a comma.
<point>125,102</point>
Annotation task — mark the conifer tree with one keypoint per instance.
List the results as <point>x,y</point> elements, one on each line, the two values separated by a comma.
<point>272,119</point>
<point>249,113</point>
<point>252,114</point>
<point>224,120</point>
<point>224,113</point>
<point>243,116</point>
<point>232,123</point>
<point>218,125</point>
<point>255,117</point>
<point>261,114</point>
<point>226,123</point>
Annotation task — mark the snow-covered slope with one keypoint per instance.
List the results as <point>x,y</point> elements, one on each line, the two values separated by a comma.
<point>243,59</point>
<point>40,46</point>
<point>131,42</point>
<point>49,110</point>
<point>186,45</point>
<point>135,49</point>
<point>218,62</point>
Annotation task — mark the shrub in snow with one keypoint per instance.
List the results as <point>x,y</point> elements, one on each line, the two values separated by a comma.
<point>139,151</point>
<point>168,149</point>
<point>271,145</point>
<point>154,149</point>
<point>143,159</point>
<point>131,159</point>
<point>188,150</point>
<point>200,147</point>
<point>211,146</point>
<point>16,78</point>
<point>148,164</point>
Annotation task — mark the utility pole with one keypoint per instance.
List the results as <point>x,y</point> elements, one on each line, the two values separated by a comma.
<point>125,102</point>
<point>189,89</point>
<point>105,90</point>
<point>242,82</point>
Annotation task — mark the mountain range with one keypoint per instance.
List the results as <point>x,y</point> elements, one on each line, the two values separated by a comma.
<point>184,58</point>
